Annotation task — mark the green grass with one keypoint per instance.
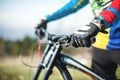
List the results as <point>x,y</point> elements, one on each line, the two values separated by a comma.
<point>118,73</point>
<point>13,69</point>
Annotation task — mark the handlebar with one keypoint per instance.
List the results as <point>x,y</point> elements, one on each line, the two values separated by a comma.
<point>60,39</point>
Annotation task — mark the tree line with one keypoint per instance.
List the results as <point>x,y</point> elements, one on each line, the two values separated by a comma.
<point>13,48</point>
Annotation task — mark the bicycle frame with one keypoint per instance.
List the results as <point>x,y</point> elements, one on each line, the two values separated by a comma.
<point>52,57</point>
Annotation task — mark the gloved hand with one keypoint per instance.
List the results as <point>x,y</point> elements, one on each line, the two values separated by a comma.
<point>42,24</point>
<point>85,36</point>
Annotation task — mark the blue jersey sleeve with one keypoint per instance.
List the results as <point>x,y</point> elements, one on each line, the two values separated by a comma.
<point>71,7</point>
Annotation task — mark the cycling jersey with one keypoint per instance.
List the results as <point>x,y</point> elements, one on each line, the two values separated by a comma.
<point>108,41</point>
<point>99,5</point>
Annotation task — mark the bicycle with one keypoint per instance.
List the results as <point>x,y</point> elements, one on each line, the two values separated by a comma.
<point>53,57</point>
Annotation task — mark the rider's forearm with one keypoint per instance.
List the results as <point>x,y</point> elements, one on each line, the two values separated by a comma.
<point>69,8</point>
<point>112,13</point>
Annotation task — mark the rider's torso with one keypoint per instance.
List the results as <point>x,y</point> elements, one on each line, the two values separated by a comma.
<point>111,40</point>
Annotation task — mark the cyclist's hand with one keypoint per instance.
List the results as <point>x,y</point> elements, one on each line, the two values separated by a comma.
<point>85,36</point>
<point>42,24</point>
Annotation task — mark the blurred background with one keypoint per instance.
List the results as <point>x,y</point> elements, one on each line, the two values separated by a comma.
<point>18,19</point>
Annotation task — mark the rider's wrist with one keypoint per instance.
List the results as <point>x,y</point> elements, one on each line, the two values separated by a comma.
<point>98,25</point>
<point>45,20</point>
<point>99,22</point>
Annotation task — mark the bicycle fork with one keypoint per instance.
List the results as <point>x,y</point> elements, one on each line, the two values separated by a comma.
<point>48,61</point>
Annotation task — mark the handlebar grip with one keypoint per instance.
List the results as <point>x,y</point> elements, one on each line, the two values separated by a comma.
<point>93,39</point>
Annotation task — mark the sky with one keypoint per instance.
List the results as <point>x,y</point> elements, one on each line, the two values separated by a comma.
<point>19,18</point>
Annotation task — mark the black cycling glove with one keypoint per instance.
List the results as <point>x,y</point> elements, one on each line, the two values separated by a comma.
<point>42,24</point>
<point>85,36</point>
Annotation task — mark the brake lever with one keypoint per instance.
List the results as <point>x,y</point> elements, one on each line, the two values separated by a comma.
<point>41,32</point>
<point>65,40</point>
